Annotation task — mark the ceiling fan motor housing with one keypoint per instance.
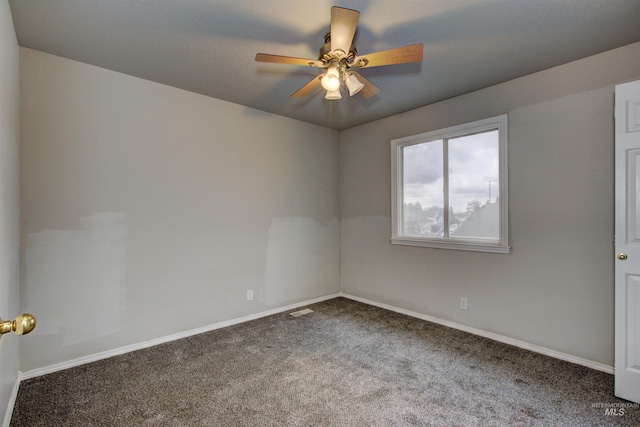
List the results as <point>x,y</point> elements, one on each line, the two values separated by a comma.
<point>327,56</point>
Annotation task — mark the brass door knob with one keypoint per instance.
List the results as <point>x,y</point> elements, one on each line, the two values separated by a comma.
<point>21,325</point>
<point>622,256</point>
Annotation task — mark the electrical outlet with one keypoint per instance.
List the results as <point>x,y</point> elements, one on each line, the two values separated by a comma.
<point>249,295</point>
<point>464,304</point>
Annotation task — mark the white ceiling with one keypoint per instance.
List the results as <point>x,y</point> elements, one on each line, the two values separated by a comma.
<point>209,46</point>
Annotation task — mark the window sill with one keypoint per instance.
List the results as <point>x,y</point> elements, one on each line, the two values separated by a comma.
<point>451,244</point>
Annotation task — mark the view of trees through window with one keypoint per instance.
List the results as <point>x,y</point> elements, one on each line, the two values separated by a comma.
<point>468,190</point>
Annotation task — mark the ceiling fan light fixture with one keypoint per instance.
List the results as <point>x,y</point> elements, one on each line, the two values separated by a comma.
<point>331,80</point>
<point>333,95</point>
<point>353,84</point>
<point>338,55</point>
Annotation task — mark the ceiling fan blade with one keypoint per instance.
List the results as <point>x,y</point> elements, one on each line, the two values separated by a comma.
<point>343,28</point>
<point>306,89</point>
<point>369,88</point>
<point>278,59</point>
<point>399,55</point>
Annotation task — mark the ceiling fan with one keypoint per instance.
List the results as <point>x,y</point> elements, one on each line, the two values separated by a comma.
<point>338,56</point>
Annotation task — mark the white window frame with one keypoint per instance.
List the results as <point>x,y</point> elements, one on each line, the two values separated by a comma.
<point>467,244</point>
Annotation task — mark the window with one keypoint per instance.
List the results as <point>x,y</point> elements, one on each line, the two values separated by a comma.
<point>449,187</point>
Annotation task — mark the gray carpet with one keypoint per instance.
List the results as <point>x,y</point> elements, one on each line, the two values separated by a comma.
<point>345,364</point>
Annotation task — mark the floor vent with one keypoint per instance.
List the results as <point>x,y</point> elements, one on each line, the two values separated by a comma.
<point>301,312</point>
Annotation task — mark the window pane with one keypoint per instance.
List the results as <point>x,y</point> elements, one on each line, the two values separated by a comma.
<point>449,188</point>
<point>423,198</point>
<point>474,186</point>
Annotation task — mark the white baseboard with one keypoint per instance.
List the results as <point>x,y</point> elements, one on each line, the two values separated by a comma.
<point>496,337</point>
<point>12,402</point>
<point>146,344</point>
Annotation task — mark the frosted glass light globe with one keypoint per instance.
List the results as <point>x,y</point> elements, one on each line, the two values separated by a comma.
<point>331,80</point>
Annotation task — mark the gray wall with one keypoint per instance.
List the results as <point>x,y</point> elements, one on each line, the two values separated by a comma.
<point>555,289</point>
<point>9,200</point>
<point>149,211</point>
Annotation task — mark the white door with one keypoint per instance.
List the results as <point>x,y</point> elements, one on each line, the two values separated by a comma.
<point>627,241</point>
